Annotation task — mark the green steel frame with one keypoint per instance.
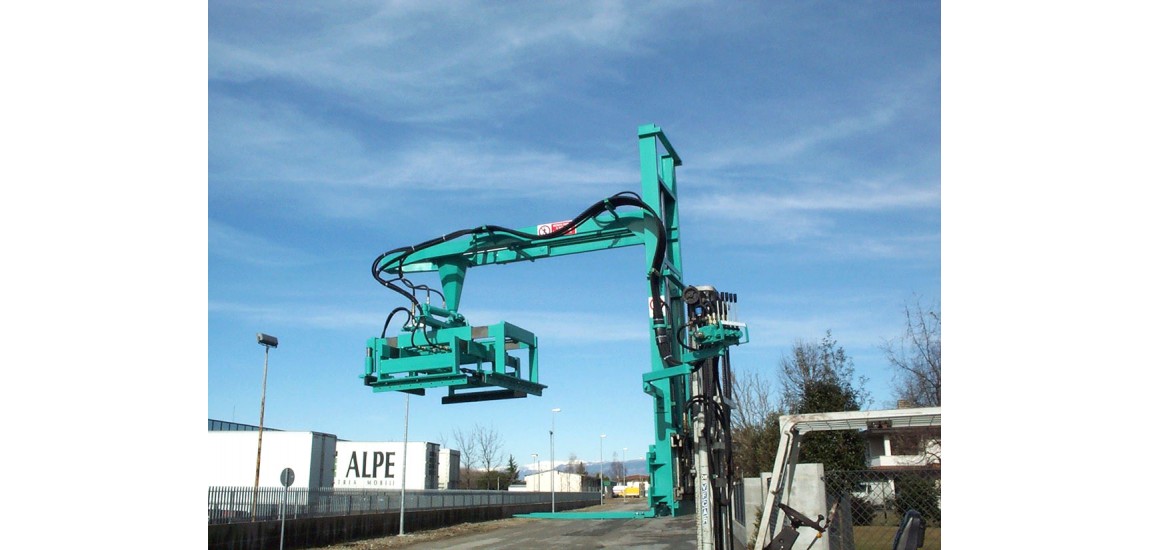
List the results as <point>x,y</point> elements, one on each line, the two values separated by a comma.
<point>437,348</point>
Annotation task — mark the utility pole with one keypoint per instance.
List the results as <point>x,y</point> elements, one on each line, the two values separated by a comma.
<point>403,476</point>
<point>553,411</point>
<point>601,436</point>
<point>268,342</point>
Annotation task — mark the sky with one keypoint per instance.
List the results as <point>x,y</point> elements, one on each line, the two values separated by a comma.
<point>810,186</point>
<point>152,225</point>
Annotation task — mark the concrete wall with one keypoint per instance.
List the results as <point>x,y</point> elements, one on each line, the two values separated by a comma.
<point>754,489</point>
<point>318,532</point>
<point>806,493</point>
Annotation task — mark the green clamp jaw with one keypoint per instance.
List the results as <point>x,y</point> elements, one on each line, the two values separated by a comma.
<point>469,361</point>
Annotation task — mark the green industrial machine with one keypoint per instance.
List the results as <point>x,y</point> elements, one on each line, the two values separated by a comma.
<point>691,333</point>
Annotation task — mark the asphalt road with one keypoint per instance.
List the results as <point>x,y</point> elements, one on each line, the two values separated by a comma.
<point>553,534</point>
<point>556,534</point>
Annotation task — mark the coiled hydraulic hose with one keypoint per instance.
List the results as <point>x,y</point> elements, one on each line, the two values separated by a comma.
<point>625,198</point>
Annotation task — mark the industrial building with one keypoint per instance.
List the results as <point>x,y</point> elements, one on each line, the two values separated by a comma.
<point>448,468</point>
<point>232,451</point>
<point>321,460</point>
<point>564,482</point>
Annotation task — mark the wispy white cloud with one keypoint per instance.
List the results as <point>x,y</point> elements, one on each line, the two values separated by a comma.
<point>227,242</point>
<point>856,196</point>
<point>552,327</point>
<point>567,327</point>
<point>327,164</point>
<point>915,245</point>
<point>767,148</point>
<point>436,62</point>
<point>301,315</point>
<point>805,213</point>
<point>854,329</point>
<point>447,165</point>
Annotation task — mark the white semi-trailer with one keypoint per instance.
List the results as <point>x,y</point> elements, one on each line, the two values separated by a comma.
<point>380,465</point>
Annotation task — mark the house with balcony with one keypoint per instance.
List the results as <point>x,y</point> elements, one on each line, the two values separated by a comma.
<point>890,451</point>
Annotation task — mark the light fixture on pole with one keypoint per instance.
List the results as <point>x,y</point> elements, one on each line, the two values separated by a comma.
<point>625,472</point>
<point>601,436</point>
<point>536,457</point>
<point>553,411</point>
<point>268,342</point>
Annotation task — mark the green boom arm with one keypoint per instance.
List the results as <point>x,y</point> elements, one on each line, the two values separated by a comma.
<point>437,348</point>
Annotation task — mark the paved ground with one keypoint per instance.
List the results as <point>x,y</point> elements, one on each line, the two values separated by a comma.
<point>551,534</point>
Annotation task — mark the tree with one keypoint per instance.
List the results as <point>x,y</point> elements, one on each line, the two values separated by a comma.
<point>465,443</point>
<point>821,378</point>
<point>837,449</point>
<point>576,466</point>
<point>616,470</point>
<point>478,447</point>
<point>512,468</point>
<point>500,478</point>
<point>916,357</point>
<point>754,424</point>
<point>490,445</point>
<point>824,361</point>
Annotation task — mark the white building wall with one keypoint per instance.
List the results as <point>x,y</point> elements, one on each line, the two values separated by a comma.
<point>378,465</point>
<point>564,482</point>
<point>231,458</point>
<point>448,469</point>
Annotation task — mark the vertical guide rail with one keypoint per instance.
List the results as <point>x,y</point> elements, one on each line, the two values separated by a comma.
<point>659,190</point>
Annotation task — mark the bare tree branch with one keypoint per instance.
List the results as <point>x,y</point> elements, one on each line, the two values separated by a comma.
<point>490,445</point>
<point>917,357</point>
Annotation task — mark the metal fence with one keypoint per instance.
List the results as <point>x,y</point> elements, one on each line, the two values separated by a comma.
<point>872,503</point>
<point>234,504</point>
<point>870,506</point>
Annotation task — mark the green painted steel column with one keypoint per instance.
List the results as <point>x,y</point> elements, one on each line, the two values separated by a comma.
<point>657,177</point>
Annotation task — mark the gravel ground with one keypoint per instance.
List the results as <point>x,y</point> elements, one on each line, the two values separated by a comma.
<point>426,536</point>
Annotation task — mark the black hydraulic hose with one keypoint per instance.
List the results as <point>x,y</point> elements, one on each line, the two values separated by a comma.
<point>679,338</point>
<point>425,288</point>
<point>626,198</point>
<point>388,283</point>
<point>388,321</point>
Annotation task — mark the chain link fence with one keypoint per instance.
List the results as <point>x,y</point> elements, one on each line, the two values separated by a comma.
<point>871,504</point>
<point>234,504</point>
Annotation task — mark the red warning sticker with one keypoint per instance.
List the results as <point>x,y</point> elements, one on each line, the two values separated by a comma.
<point>549,228</point>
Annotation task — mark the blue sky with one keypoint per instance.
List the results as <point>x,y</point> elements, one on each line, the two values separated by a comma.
<point>136,196</point>
<point>810,186</point>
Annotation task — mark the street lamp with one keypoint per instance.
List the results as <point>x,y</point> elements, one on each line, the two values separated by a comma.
<point>601,436</point>
<point>403,476</point>
<point>625,472</point>
<point>553,411</point>
<point>536,457</point>
<point>268,342</point>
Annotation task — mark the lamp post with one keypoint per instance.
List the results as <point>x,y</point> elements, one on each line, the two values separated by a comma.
<point>625,472</point>
<point>536,457</point>
<point>553,411</point>
<point>601,437</point>
<point>403,476</point>
<point>268,342</point>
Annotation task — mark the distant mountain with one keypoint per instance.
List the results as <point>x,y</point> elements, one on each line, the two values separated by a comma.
<point>635,466</point>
